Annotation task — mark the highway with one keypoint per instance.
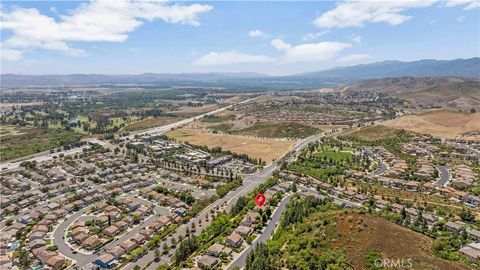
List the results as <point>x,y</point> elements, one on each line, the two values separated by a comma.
<point>46,155</point>
<point>163,129</point>
<point>250,183</point>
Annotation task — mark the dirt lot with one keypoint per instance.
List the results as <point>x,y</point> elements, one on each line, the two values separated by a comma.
<point>441,123</point>
<point>189,112</point>
<point>265,149</point>
<point>150,123</point>
<point>392,240</point>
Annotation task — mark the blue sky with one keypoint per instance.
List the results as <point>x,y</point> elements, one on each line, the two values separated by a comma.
<point>120,37</point>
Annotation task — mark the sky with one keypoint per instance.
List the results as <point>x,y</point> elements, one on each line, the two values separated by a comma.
<point>270,37</point>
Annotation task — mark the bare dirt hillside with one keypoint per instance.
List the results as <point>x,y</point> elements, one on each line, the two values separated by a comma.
<point>441,123</point>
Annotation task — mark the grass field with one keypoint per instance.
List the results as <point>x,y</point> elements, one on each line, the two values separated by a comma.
<point>265,149</point>
<point>17,142</point>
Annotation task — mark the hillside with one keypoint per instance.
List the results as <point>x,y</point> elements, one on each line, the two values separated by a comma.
<point>345,239</point>
<point>449,92</point>
<point>441,123</point>
<point>422,68</point>
<point>330,77</point>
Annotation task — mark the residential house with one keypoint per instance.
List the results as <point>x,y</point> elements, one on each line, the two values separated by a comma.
<point>234,240</point>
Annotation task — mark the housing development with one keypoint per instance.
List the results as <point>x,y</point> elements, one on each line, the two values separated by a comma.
<point>226,162</point>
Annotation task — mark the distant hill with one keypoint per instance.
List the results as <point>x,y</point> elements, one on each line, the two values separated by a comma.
<point>422,68</point>
<point>96,79</point>
<point>448,92</point>
<point>332,77</point>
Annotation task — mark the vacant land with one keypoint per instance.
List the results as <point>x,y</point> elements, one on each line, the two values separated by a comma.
<point>268,129</point>
<point>359,234</point>
<point>352,237</point>
<point>278,130</point>
<point>13,140</point>
<point>441,123</point>
<point>376,133</point>
<point>265,149</point>
<point>150,123</point>
<point>189,112</point>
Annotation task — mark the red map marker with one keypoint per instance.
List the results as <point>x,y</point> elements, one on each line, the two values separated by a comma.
<point>260,199</point>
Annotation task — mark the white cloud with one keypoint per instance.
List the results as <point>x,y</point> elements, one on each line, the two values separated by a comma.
<point>432,22</point>
<point>469,4</point>
<point>460,19</point>
<point>255,33</point>
<point>229,58</point>
<point>309,52</point>
<point>100,20</point>
<point>356,14</point>
<point>10,54</point>
<point>357,39</point>
<point>280,45</point>
<point>354,58</point>
<point>313,36</point>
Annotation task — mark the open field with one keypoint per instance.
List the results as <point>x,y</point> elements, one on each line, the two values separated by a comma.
<point>12,131</point>
<point>375,133</point>
<point>278,130</point>
<point>441,123</point>
<point>17,142</point>
<point>150,123</point>
<point>265,149</point>
<point>189,112</point>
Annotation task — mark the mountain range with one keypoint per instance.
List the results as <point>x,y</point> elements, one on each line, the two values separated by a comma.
<point>422,68</point>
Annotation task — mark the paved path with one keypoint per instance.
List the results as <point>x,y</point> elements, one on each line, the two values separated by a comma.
<point>382,166</point>
<point>444,176</point>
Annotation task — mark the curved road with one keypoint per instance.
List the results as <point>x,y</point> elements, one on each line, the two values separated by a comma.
<point>382,167</point>
<point>83,259</point>
<point>444,175</point>
<point>59,239</point>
